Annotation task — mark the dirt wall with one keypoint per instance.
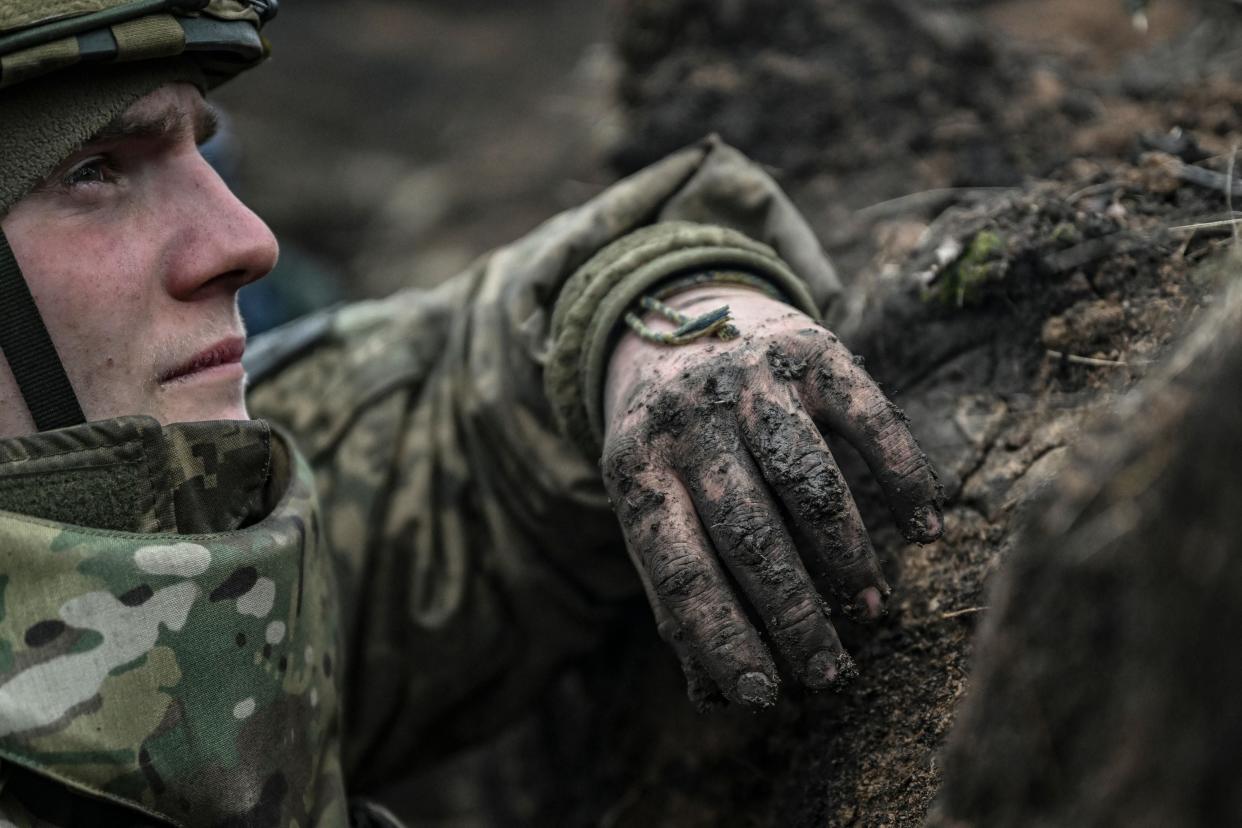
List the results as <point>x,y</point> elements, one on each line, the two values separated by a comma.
<point>1105,692</point>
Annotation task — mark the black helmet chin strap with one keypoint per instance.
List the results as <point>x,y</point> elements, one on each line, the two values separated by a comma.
<point>30,353</point>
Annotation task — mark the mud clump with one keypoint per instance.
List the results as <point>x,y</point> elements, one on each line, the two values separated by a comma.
<point>808,479</point>
<point>1083,326</point>
<point>668,415</point>
<point>785,366</point>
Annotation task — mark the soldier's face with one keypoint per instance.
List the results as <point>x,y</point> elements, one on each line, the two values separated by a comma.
<point>134,250</point>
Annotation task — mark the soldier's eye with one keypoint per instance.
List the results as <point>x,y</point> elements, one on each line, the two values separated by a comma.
<point>92,171</point>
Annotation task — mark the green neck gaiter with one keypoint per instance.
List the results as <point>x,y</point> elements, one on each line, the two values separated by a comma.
<point>130,474</point>
<point>192,677</point>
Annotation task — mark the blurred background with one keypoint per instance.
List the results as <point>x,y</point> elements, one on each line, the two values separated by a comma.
<point>389,143</point>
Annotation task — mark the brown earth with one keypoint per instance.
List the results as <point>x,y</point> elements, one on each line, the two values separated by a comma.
<point>1098,696</point>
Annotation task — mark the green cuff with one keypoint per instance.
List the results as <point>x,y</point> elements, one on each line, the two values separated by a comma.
<point>597,297</point>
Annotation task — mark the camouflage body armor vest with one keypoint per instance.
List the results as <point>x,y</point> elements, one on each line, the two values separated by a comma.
<point>168,629</point>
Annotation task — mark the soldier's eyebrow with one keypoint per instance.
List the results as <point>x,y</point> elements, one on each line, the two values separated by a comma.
<point>165,123</point>
<point>206,123</point>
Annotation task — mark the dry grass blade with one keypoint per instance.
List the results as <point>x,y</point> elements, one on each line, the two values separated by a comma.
<point>927,199</point>
<point>1095,362</point>
<point>1233,157</point>
<point>967,611</point>
<point>1207,225</point>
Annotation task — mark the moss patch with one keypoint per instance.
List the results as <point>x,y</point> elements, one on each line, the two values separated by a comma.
<point>962,282</point>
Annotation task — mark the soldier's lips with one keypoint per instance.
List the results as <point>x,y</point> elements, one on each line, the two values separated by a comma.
<point>222,359</point>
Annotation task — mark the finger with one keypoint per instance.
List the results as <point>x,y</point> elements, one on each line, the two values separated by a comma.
<point>797,464</point>
<point>660,525</point>
<point>749,534</point>
<point>841,395</point>
<point>701,688</point>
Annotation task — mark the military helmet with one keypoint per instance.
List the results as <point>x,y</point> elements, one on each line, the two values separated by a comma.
<point>41,36</point>
<point>67,68</point>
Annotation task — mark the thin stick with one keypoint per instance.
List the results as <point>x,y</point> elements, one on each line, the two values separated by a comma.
<point>1093,361</point>
<point>1181,253</point>
<point>1094,189</point>
<point>967,611</point>
<point>1205,161</point>
<point>1207,225</point>
<point>1233,157</point>
<point>926,198</point>
<point>1200,177</point>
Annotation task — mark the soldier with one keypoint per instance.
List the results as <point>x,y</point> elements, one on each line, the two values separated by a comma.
<point>208,619</point>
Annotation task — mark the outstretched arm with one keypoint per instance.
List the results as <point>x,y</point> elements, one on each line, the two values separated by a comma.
<point>476,547</point>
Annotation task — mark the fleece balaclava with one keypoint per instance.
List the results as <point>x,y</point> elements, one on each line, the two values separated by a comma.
<point>46,120</point>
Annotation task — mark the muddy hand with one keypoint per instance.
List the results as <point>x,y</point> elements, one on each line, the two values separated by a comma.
<point>709,446</point>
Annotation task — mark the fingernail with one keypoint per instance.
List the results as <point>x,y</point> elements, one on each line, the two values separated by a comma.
<point>869,603</point>
<point>821,670</point>
<point>926,525</point>
<point>756,690</point>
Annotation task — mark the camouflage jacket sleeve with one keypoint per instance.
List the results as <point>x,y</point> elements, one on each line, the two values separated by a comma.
<point>476,549</point>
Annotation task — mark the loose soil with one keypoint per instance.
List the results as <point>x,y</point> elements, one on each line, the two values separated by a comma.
<point>1097,697</point>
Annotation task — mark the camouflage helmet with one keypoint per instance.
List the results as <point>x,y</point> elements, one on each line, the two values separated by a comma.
<point>67,68</point>
<point>41,36</point>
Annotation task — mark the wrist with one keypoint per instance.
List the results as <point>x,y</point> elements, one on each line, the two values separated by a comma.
<point>634,355</point>
<point>588,320</point>
<point>693,300</point>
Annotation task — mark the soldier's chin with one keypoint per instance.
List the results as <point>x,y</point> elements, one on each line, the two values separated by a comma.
<point>215,395</point>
